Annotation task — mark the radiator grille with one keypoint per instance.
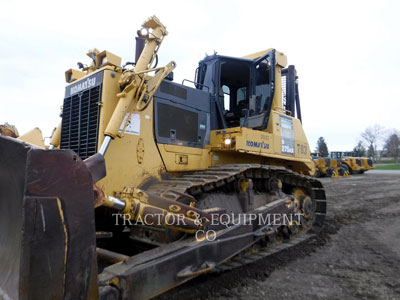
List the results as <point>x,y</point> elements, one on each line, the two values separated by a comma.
<point>80,121</point>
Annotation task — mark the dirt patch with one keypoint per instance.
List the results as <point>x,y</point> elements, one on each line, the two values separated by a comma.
<point>356,255</point>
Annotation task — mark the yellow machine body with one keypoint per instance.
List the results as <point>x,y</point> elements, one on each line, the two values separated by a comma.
<point>34,136</point>
<point>132,145</point>
<point>329,167</point>
<point>355,165</point>
<point>366,163</point>
<point>352,164</point>
<point>338,170</point>
<point>135,158</point>
<point>320,166</point>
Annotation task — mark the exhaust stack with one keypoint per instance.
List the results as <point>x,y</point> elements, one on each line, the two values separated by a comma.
<point>140,41</point>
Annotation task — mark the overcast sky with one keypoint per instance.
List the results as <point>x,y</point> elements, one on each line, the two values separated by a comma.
<point>347,53</point>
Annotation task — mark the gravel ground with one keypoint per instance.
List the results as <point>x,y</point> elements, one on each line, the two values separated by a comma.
<point>356,256</point>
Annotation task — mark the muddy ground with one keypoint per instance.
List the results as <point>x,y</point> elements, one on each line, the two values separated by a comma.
<point>356,256</point>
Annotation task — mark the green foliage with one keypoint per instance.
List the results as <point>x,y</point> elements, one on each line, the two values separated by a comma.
<point>322,147</point>
<point>359,150</point>
<point>387,161</point>
<point>392,146</point>
<point>371,151</point>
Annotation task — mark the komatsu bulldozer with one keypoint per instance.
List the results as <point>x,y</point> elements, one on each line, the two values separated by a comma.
<point>148,183</point>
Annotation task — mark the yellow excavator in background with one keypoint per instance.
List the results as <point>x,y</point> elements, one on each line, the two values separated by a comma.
<point>149,183</point>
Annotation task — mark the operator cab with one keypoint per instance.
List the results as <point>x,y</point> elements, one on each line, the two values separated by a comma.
<point>336,155</point>
<point>241,89</point>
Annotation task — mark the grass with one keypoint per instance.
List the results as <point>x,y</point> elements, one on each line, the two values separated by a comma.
<point>388,167</point>
<point>387,161</point>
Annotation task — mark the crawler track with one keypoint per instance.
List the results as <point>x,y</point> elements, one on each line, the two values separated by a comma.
<point>218,177</point>
<point>182,259</point>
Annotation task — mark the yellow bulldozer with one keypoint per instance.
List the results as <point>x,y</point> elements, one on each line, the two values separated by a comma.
<point>148,183</point>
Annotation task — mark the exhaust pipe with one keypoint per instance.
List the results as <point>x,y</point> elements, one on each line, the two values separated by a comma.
<point>140,42</point>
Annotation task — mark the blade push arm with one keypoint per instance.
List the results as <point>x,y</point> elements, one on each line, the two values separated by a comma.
<point>136,90</point>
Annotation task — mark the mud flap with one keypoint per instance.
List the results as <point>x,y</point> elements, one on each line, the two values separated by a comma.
<point>47,232</point>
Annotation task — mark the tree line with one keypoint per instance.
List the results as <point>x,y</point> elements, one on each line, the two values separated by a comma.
<point>371,139</point>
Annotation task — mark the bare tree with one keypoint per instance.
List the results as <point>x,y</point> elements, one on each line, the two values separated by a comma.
<point>392,146</point>
<point>372,136</point>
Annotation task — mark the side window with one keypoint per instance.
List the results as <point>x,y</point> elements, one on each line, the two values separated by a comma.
<point>262,86</point>
<point>234,93</point>
<point>242,99</point>
<point>227,97</point>
<point>241,94</point>
<point>205,78</point>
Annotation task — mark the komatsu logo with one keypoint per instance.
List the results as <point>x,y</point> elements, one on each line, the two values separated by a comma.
<point>87,84</point>
<point>255,144</point>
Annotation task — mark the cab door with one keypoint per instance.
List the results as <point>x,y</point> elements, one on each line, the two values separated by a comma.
<point>263,88</point>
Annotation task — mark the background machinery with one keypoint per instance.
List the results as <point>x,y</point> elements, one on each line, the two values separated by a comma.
<point>322,167</point>
<point>149,183</point>
<point>329,167</point>
<point>338,169</point>
<point>366,163</point>
<point>355,165</point>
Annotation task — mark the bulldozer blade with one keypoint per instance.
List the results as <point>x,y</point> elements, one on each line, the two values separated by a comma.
<point>47,230</point>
